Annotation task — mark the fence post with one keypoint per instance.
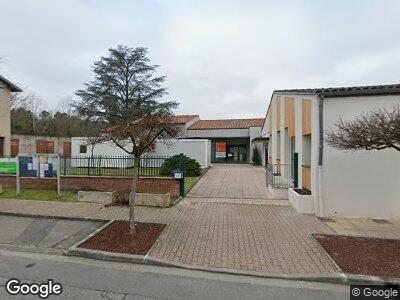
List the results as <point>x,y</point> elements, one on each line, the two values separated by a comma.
<point>65,165</point>
<point>182,169</point>
<point>295,170</point>
<point>100,165</point>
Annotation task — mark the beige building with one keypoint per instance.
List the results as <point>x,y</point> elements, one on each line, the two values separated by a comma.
<point>6,88</point>
<point>317,178</point>
<point>27,144</point>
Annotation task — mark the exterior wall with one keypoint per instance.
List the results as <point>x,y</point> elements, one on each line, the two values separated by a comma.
<point>218,133</point>
<point>362,183</point>
<point>288,124</point>
<point>5,118</point>
<point>196,148</point>
<point>154,185</point>
<point>27,143</point>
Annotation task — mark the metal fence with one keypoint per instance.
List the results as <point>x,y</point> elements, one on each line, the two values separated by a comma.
<point>111,165</point>
<point>279,176</point>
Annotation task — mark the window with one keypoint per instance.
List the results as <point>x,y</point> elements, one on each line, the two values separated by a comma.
<point>83,149</point>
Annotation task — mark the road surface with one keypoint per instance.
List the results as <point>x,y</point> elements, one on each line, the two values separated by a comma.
<point>92,279</point>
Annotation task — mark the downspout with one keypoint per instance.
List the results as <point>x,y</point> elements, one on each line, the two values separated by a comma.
<point>320,151</point>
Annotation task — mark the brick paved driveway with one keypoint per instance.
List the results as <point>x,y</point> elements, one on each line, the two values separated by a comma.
<point>232,181</point>
<point>245,236</point>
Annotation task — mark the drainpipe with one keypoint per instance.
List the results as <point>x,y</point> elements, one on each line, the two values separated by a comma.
<point>320,152</point>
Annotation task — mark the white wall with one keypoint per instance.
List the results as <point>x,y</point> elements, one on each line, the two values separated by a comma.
<point>362,183</point>
<point>197,149</point>
<point>194,148</point>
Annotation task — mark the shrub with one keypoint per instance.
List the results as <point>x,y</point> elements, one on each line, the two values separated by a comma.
<point>121,198</point>
<point>256,156</point>
<point>191,166</point>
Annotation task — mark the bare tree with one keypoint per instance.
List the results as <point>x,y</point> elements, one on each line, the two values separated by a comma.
<point>376,130</point>
<point>65,105</point>
<point>125,99</point>
<point>30,102</point>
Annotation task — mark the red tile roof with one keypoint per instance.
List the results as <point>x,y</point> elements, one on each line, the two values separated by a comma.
<point>183,119</point>
<point>227,124</point>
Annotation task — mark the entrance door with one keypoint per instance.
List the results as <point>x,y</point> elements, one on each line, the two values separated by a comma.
<point>14,147</point>
<point>237,153</point>
<point>67,149</point>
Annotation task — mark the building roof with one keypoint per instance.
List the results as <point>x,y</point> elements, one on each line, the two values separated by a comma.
<point>183,119</point>
<point>10,85</point>
<point>227,124</point>
<point>348,91</point>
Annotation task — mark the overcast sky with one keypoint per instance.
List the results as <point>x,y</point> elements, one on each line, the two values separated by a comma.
<point>222,58</point>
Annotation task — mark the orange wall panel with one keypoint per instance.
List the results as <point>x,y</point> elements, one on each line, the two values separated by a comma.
<point>306,116</point>
<point>306,178</point>
<point>290,116</point>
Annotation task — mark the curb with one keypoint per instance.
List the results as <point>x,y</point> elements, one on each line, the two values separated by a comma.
<point>338,278</point>
<point>12,214</point>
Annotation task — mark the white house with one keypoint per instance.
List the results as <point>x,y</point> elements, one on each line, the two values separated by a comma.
<point>340,183</point>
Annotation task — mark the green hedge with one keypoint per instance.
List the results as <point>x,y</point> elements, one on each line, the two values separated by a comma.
<point>191,166</point>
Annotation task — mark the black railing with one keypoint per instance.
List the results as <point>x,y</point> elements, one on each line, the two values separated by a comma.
<point>111,165</point>
<point>279,176</point>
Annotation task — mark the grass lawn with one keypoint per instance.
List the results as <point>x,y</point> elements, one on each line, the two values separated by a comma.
<point>71,196</point>
<point>191,181</point>
<point>43,195</point>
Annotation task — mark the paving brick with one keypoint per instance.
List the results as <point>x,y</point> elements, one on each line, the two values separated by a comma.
<point>250,231</point>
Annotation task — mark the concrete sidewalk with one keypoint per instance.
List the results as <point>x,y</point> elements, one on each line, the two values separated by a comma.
<point>233,182</point>
<point>252,237</point>
<point>49,235</point>
<point>365,227</point>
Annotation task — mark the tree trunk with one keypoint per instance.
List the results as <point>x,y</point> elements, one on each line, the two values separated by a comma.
<point>135,180</point>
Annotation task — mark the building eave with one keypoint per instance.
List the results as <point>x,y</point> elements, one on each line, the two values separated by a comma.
<point>11,86</point>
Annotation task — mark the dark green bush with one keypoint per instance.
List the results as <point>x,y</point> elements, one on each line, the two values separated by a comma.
<point>256,156</point>
<point>191,166</point>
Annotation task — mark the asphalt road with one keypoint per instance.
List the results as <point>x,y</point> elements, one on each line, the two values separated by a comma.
<point>92,279</point>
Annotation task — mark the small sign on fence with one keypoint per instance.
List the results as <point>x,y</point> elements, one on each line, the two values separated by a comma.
<point>8,165</point>
<point>43,166</point>
<point>178,175</point>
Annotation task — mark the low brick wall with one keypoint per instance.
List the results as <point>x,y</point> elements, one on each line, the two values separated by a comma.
<point>154,185</point>
<point>32,183</point>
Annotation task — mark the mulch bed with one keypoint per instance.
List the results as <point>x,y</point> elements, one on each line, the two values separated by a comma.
<point>117,238</point>
<point>302,191</point>
<point>377,257</point>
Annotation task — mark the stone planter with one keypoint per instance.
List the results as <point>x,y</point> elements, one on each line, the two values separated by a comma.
<point>303,204</point>
<point>157,200</point>
<point>96,197</point>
